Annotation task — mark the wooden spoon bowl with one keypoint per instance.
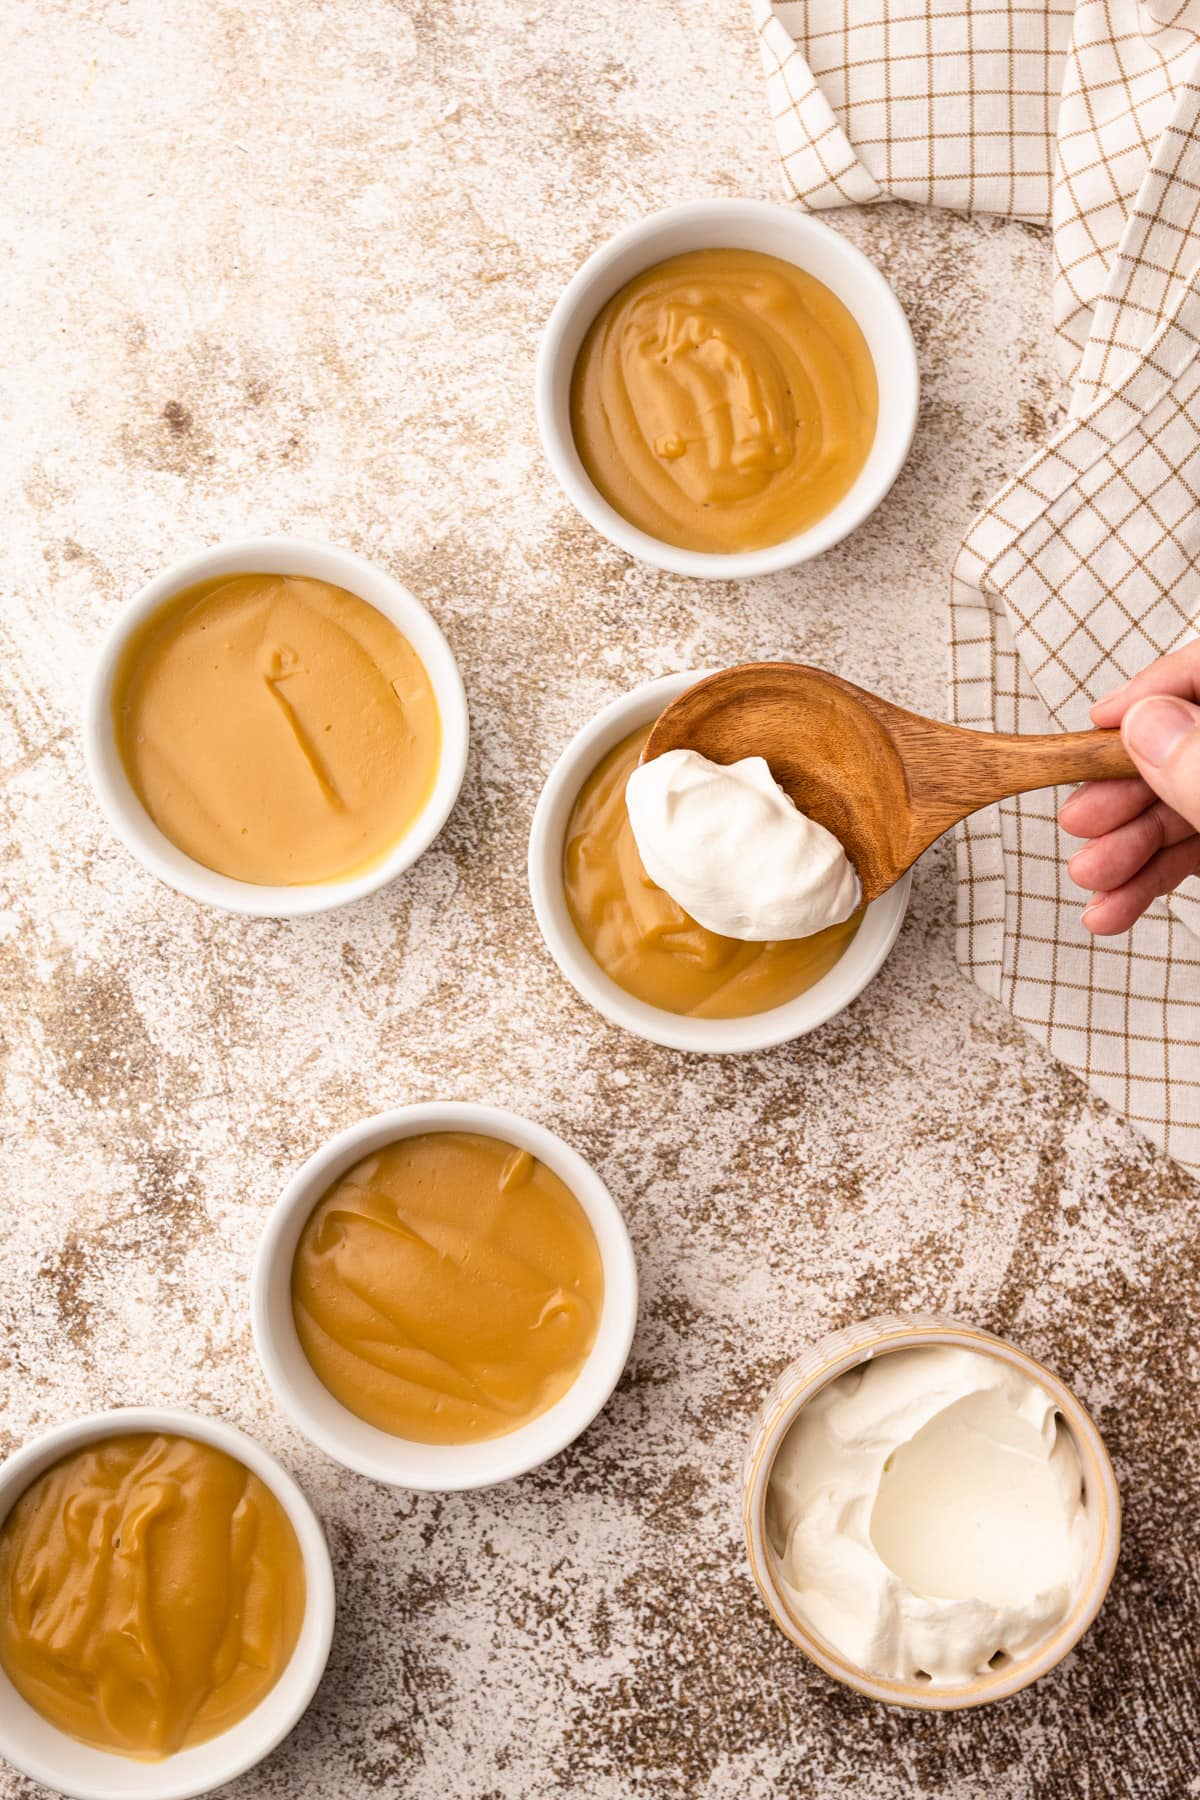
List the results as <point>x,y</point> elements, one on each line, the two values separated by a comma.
<point>885,781</point>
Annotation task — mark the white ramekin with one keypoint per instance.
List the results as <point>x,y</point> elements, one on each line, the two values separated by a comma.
<point>779,231</point>
<point>441,1468</point>
<point>864,957</point>
<point>834,1356</point>
<point>273,556</point>
<point>44,1753</point>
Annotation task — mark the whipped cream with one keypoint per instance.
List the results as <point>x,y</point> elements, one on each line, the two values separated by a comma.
<point>731,848</point>
<point>926,1512</point>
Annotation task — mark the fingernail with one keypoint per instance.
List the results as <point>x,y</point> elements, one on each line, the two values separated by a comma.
<point>1105,699</point>
<point>1154,728</point>
<point>1091,906</point>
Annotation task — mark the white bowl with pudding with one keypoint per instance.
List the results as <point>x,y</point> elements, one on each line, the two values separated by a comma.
<point>444,1296</point>
<point>783,991</point>
<point>930,1513</point>
<point>270,780</point>
<point>155,1475</point>
<point>700,407</point>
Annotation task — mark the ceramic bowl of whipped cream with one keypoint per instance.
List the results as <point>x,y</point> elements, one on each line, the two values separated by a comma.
<point>931,1515</point>
<point>726,388</point>
<point>629,947</point>
<point>200,1591</point>
<point>276,727</point>
<point>444,1296</point>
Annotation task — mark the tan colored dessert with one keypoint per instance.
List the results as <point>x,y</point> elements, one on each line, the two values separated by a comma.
<point>151,1593</point>
<point>724,400</point>
<point>278,730</point>
<point>448,1288</point>
<point>646,942</point>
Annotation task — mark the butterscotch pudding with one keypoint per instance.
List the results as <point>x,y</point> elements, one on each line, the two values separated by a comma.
<point>152,1591</point>
<point>277,729</point>
<point>645,942</point>
<point>448,1288</point>
<point>724,401</point>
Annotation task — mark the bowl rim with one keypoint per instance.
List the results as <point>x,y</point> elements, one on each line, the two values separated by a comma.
<point>402,1462</point>
<point>876,306</point>
<point>285,556</point>
<point>201,1767</point>
<point>847,1348</point>
<point>861,961</point>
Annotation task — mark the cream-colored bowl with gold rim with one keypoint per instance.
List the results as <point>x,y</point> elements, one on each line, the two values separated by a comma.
<point>845,1350</point>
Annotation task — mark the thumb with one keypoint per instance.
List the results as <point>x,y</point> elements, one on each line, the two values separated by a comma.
<point>1162,734</point>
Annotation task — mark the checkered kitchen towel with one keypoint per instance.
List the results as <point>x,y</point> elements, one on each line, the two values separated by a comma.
<point>1084,568</point>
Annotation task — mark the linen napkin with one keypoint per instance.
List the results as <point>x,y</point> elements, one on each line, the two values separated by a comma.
<point>1084,567</point>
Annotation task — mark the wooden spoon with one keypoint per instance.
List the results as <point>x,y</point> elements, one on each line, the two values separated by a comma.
<point>885,781</point>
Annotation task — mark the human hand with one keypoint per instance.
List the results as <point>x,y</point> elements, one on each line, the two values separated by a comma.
<point>1145,829</point>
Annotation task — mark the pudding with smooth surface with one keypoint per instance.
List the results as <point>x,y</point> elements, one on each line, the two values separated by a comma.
<point>277,729</point>
<point>645,941</point>
<point>724,401</point>
<point>152,1592</point>
<point>448,1288</point>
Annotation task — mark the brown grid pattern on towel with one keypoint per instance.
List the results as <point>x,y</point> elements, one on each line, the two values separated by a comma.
<point>1083,569</point>
<point>923,100</point>
<point>1124,1013</point>
<point>1038,112</point>
<point>1086,566</point>
<point>1120,88</point>
<point>1120,271</point>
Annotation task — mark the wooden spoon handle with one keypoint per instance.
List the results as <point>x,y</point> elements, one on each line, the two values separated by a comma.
<point>1019,764</point>
<point>960,771</point>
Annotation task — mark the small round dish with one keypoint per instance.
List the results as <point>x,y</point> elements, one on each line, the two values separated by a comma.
<point>778,231</point>
<point>845,1350</point>
<point>45,1754</point>
<point>865,955</point>
<point>273,556</point>
<point>438,1468</point>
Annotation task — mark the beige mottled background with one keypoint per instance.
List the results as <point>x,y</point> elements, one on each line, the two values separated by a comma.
<point>275,265</point>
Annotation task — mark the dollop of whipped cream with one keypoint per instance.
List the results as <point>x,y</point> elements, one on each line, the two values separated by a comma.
<point>726,842</point>
<point>926,1512</point>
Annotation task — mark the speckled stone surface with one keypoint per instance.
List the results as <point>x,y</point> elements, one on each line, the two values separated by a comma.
<point>282,268</point>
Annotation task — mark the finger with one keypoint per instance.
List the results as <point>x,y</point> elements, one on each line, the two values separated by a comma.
<point>1110,861</point>
<point>1163,737</point>
<point>1107,914</point>
<point>1103,805</point>
<point>1178,674</point>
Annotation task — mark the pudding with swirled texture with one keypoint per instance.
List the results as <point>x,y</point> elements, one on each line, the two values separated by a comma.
<point>152,1591</point>
<point>724,401</point>
<point>447,1288</point>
